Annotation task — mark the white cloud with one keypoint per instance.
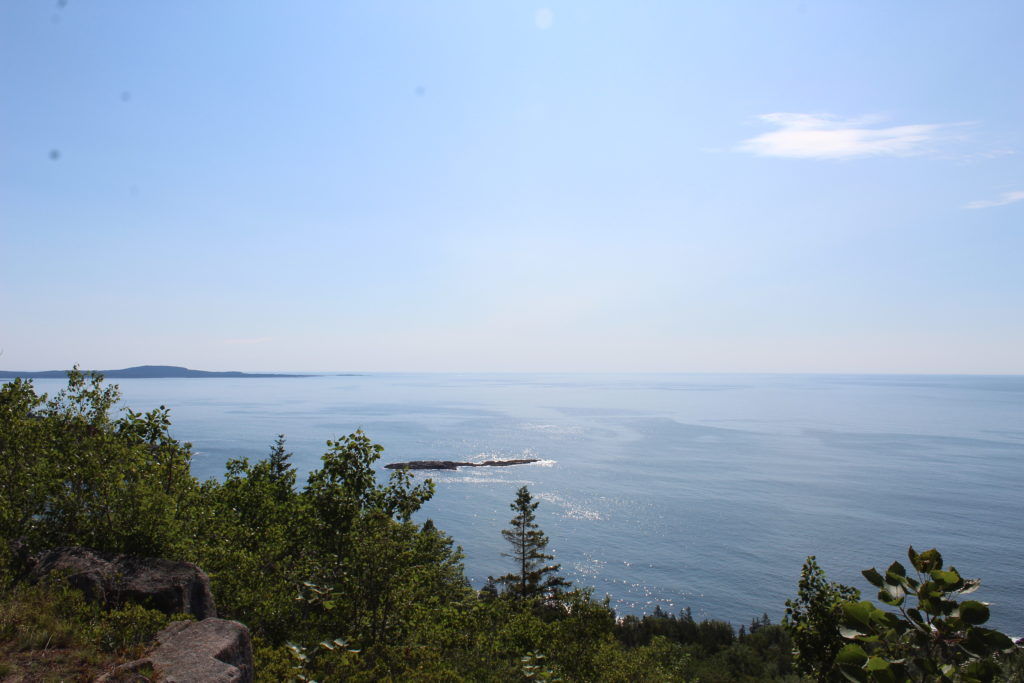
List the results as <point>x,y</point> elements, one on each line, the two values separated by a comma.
<point>824,136</point>
<point>1005,198</point>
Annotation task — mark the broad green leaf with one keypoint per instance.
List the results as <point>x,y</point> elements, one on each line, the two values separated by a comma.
<point>886,676</point>
<point>895,573</point>
<point>994,639</point>
<point>974,612</point>
<point>850,633</point>
<point>874,577</point>
<point>928,560</point>
<point>928,603</point>
<point>852,654</point>
<point>891,595</point>
<point>876,664</point>
<point>982,642</point>
<point>858,614</point>
<point>949,580</point>
<point>853,673</point>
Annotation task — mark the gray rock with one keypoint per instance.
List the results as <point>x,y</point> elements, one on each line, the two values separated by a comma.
<point>112,580</point>
<point>207,651</point>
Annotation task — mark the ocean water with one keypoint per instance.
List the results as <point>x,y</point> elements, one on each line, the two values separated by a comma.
<point>699,491</point>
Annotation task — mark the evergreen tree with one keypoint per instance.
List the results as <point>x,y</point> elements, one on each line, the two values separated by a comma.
<point>533,578</point>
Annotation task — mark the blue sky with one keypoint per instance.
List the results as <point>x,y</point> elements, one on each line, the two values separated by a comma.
<point>507,186</point>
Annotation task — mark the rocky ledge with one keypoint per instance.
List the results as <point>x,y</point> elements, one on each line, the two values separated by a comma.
<point>208,651</point>
<point>453,465</point>
<point>113,580</point>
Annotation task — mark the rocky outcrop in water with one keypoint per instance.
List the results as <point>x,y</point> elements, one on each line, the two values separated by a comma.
<point>453,465</point>
<point>113,580</point>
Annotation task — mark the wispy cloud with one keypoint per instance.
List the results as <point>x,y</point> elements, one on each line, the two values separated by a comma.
<point>824,136</point>
<point>1004,198</point>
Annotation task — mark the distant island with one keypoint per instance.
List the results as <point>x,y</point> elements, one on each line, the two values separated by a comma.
<point>452,465</point>
<point>140,372</point>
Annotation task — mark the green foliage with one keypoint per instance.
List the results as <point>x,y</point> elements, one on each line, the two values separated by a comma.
<point>1011,665</point>
<point>36,617</point>
<point>132,625</point>
<point>333,579</point>
<point>709,649</point>
<point>346,486</point>
<point>345,533</point>
<point>661,660</point>
<point>345,545</point>
<point>252,533</point>
<point>938,639</point>
<point>813,621</point>
<point>52,619</point>
<point>345,491</point>
<point>304,660</point>
<point>272,664</point>
<point>710,635</point>
<point>71,474</point>
<point>533,578</point>
<point>534,668</point>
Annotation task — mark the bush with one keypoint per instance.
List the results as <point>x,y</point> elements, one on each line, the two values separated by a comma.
<point>940,638</point>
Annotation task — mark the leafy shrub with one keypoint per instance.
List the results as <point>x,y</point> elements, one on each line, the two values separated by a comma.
<point>71,474</point>
<point>939,639</point>
<point>133,625</point>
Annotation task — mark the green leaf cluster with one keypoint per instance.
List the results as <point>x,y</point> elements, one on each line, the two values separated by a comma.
<point>932,636</point>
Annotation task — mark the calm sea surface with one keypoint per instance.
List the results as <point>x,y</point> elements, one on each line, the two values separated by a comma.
<point>706,491</point>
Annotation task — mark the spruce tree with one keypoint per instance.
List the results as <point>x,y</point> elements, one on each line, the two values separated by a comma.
<point>533,578</point>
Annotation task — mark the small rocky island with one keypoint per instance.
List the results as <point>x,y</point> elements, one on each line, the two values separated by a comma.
<point>453,465</point>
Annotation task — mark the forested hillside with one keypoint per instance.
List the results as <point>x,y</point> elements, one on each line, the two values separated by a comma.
<point>336,582</point>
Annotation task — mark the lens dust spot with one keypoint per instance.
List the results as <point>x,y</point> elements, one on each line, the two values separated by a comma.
<point>54,154</point>
<point>544,18</point>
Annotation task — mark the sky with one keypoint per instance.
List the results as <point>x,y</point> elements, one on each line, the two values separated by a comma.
<point>761,186</point>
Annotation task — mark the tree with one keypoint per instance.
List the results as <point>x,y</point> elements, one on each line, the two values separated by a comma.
<point>252,542</point>
<point>73,474</point>
<point>346,487</point>
<point>534,578</point>
<point>345,533</point>
<point>940,639</point>
<point>813,621</point>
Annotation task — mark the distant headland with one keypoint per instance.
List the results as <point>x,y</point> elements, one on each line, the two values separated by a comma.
<point>140,372</point>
